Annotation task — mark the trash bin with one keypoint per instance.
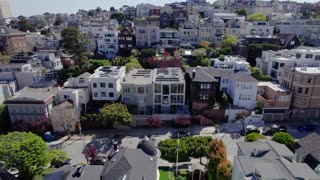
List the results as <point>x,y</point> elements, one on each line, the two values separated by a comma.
<point>47,136</point>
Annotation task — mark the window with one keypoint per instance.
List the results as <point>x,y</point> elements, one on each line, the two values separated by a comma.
<point>306,91</point>
<point>95,94</point>
<point>157,88</point>
<point>111,94</point>
<point>157,99</point>
<point>292,43</point>
<point>317,57</point>
<point>203,96</point>
<point>165,100</point>
<point>66,97</point>
<point>299,90</point>
<point>205,86</point>
<point>298,55</point>
<point>165,89</point>
<point>309,80</point>
<point>126,89</point>
<point>174,88</point>
<point>103,94</point>
<point>102,85</point>
<point>126,99</point>
<point>275,65</point>
<point>81,81</point>
<point>140,90</point>
<point>283,98</point>
<point>180,88</point>
<point>94,85</point>
<point>309,56</point>
<point>110,85</point>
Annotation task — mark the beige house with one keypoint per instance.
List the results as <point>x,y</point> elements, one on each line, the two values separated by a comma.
<point>275,100</point>
<point>304,82</point>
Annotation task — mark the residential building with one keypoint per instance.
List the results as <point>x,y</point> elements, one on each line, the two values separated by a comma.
<point>108,42</point>
<point>64,111</point>
<point>179,16</point>
<point>137,90</point>
<point>23,58</point>
<point>289,41</point>
<point>275,100</point>
<point>154,12</point>
<point>129,12</point>
<point>168,91</point>
<point>236,63</point>
<point>211,31</point>
<point>168,40</point>
<point>31,104</point>
<point>7,89</point>
<point>146,32</point>
<point>307,150</point>
<point>259,28</point>
<point>23,74</point>
<point>234,24</point>
<point>106,83</point>
<point>5,10</point>
<point>268,160</point>
<point>143,9</point>
<point>126,40</point>
<point>271,61</point>
<point>202,87</point>
<point>188,34</point>
<point>303,82</point>
<point>13,41</point>
<point>50,61</point>
<point>78,90</point>
<point>311,32</point>
<point>165,20</point>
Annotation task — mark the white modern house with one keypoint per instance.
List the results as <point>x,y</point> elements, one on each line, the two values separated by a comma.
<point>106,83</point>
<point>78,90</point>
<point>137,90</point>
<point>271,61</point>
<point>50,61</point>
<point>235,63</point>
<point>259,28</point>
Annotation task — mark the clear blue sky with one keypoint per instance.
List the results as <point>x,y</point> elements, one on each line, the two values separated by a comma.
<point>36,7</point>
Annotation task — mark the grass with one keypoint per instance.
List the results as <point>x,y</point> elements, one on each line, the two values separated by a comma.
<point>166,174</point>
<point>45,172</point>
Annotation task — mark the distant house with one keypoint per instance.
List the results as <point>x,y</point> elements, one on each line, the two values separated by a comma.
<point>308,150</point>
<point>126,41</point>
<point>165,20</point>
<point>289,41</point>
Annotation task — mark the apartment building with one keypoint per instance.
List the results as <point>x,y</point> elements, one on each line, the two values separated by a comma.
<point>137,90</point>
<point>168,40</point>
<point>234,24</point>
<point>236,63</point>
<point>271,61</point>
<point>211,31</point>
<point>31,104</point>
<point>78,90</point>
<point>146,32</point>
<point>260,28</point>
<point>143,9</point>
<point>106,83</point>
<point>304,83</point>
<point>169,91</point>
<point>275,100</point>
<point>188,34</point>
<point>23,74</point>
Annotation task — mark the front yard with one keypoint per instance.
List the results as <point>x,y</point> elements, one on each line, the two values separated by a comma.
<point>167,174</point>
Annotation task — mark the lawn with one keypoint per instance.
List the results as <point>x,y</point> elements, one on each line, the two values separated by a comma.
<point>166,174</point>
<point>45,172</point>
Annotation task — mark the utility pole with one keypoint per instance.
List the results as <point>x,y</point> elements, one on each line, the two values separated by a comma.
<point>177,157</point>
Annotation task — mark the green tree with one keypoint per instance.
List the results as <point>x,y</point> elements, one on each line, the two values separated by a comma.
<point>258,75</point>
<point>257,17</point>
<point>5,123</point>
<point>229,41</point>
<point>284,138</point>
<point>118,16</point>
<point>26,152</point>
<point>219,168</point>
<point>201,52</point>
<point>58,20</point>
<point>115,114</point>
<point>25,25</point>
<point>203,61</point>
<point>57,157</point>
<point>44,32</point>
<point>255,50</point>
<point>242,12</point>
<point>133,64</point>
<point>74,42</point>
<point>145,53</point>
<point>252,137</point>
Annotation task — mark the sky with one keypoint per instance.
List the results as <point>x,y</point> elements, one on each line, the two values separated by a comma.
<point>37,7</point>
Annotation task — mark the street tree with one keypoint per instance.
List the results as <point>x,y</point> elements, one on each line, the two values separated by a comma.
<point>25,152</point>
<point>219,167</point>
<point>115,114</point>
<point>74,42</point>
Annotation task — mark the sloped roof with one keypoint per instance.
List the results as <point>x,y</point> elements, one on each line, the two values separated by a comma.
<point>5,31</point>
<point>309,144</point>
<point>29,94</point>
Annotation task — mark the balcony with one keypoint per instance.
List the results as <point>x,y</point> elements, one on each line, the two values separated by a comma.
<point>265,103</point>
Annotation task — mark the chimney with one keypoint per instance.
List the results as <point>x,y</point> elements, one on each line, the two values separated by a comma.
<point>193,74</point>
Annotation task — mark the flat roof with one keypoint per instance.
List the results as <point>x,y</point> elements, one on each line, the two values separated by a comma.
<point>168,75</point>
<point>274,86</point>
<point>108,72</point>
<point>139,76</point>
<point>308,70</point>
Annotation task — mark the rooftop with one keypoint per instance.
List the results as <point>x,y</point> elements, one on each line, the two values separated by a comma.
<point>168,75</point>
<point>274,86</point>
<point>308,70</point>
<point>38,95</point>
<point>68,173</point>
<point>309,144</point>
<point>139,76</point>
<point>108,72</point>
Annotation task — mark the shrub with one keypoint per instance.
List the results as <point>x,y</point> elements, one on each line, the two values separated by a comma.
<point>154,122</point>
<point>57,157</point>
<point>252,137</point>
<point>182,121</point>
<point>284,138</point>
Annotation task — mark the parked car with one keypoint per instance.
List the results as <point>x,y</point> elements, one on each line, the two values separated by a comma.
<point>250,129</point>
<point>100,160</point>
<point>274,128</point>
<point>182,133</point>
<point>67,162</point>
<point>308,128</point>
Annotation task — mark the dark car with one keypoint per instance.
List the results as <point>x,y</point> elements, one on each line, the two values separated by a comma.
<point>250,129</point>
<point>308,128</point>
<point>100,160</point>
<point>181,133</point>
<point>274,128</point>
